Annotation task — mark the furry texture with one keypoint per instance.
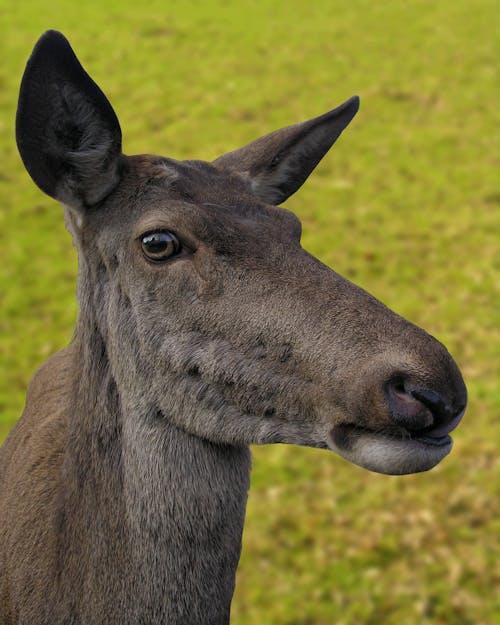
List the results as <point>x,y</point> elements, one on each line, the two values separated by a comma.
<point>278,164</point>
<point>67,132</point>
<point>123,486</point>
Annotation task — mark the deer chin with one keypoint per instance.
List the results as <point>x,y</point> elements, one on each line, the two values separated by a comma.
<point>382,453</point>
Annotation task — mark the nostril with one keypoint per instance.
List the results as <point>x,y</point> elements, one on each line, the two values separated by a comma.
<point>446,417</point>
<point>421,410</point>
<point>434,402</point>
<point>399,385</point>
<point>407,409</point>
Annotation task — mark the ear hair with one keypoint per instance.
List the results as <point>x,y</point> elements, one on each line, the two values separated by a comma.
<point>277,164</point>
<point>67,132</point>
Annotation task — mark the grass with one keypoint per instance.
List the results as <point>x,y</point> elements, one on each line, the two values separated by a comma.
<point>405,205</point>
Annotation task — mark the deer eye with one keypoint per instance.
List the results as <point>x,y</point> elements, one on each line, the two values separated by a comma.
<point>160,246</point>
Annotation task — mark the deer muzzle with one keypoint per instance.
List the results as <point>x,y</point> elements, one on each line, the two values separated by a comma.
<point>411,432</point>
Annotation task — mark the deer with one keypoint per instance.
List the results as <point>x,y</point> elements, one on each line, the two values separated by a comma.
<point>203,328</point>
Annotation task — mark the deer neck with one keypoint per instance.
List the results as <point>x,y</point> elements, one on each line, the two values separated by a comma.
<point>185,500</point>
<point>173,503</point>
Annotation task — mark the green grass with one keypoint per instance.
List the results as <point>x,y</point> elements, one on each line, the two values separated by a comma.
<point>405,205</point>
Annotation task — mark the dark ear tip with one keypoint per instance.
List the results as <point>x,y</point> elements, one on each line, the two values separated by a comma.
<point>355,101</point>
<point>50,42</point>
<point>351,105</point>
<point>52,52</point>
<point>345,112</point>
<point>51,36</point>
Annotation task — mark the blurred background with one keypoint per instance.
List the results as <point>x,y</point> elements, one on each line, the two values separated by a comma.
<point>406,205</point>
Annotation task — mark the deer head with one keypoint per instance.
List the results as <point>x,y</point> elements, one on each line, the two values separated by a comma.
<point>210,312</point>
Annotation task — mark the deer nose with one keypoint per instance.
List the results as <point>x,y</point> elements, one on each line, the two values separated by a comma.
<point>422,410</point>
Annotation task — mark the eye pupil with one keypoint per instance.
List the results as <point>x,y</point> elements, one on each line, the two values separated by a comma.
<point>159,246</point>
<point>156,243</point>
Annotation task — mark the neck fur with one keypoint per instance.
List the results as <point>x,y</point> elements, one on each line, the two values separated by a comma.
<point>161,509</point>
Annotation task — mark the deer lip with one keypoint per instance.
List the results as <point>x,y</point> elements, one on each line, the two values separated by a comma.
<point>436,441</point>
<point>344,436</point>
<point>395,452</point>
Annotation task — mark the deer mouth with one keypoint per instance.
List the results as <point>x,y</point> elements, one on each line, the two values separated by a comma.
<point>397,452</point>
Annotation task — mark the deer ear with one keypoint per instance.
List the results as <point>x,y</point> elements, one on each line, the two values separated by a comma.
<point>277,164</point>
<point>67,132</point>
